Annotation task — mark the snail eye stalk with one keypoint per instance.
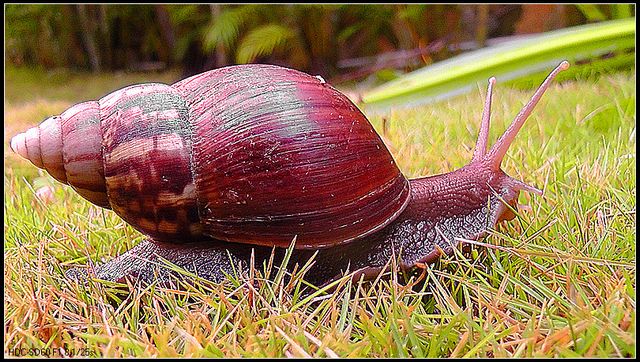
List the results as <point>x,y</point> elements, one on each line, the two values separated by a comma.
<point>495,156</point>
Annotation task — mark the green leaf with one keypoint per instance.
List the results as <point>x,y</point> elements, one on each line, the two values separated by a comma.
<point>183,14</point>
<point>591,12</point>
<point>347,32</point>
<point>412,12</point>
<point>263,41</point>
<point>226,27</point>
<point>507,61</point>
<point>621,11</point>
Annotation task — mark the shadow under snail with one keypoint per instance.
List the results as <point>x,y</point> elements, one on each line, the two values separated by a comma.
<point>242,159</point>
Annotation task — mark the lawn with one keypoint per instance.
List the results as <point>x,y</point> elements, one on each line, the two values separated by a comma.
<point>557,281</point>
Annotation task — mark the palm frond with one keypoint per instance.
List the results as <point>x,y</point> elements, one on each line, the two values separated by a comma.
<point>225,28</point>
<point>182,14</point>
<point>263,41</point>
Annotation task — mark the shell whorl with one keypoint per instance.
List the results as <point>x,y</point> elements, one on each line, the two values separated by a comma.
<point>292,157</point>
<point>69,148</point>
<point>130,152</point>
<point>146,137</point>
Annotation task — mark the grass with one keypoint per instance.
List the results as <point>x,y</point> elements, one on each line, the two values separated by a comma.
<point>558,281</point>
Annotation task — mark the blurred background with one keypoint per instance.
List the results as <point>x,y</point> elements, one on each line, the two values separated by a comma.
<point>343,43</point>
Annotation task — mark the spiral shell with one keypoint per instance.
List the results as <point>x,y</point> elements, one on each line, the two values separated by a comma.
<point>255,154</point>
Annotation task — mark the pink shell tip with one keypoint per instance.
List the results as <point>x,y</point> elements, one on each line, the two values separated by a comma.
<point>18,144</point>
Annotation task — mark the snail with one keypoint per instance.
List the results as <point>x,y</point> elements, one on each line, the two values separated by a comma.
<point>226,166</point>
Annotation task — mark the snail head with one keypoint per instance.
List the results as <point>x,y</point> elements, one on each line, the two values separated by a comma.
<point>487,164</point>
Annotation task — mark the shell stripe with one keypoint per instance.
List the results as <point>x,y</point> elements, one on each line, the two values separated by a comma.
<point>146,142</point>
<point>32,143</point>
<point>51,149</point>
<point>82,151</point>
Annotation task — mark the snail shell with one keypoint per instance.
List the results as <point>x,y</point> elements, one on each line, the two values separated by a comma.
<point>255,154</point>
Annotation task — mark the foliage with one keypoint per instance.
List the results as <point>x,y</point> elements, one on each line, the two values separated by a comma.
<point>311,37</point>
<point>225,28</point>
<point>31,35</point>
<point>615,40</point>
<point>262,41</point>
<point>558,281</point>
<point>597,12</point>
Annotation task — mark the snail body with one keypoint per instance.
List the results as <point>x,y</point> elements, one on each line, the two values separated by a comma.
<point>260,155</point>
